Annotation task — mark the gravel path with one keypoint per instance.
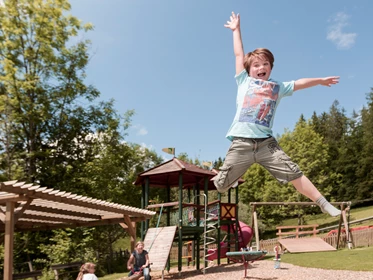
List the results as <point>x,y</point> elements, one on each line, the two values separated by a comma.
<point>263,270</point>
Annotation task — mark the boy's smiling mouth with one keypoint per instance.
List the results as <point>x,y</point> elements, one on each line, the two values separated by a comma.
<point>262,74</point>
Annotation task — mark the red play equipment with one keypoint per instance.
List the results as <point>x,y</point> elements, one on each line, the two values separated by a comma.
<point>245,235</point>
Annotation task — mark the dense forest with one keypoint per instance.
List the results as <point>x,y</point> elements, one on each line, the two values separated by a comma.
<point>55,133</point>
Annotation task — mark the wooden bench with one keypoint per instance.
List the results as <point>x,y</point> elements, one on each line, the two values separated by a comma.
<point>297,231</point>
<point>31,274</point>
<point>57,267</point>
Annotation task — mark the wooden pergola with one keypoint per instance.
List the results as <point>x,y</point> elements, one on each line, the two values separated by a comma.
<point>28,207</point>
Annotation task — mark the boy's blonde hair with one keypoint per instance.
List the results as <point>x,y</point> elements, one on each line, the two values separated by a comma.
<point>258,53</point>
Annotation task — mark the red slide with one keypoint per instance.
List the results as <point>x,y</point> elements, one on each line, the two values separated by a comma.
<point>247,234</point>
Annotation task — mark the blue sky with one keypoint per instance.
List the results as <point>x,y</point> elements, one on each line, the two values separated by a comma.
<point>172,62</point>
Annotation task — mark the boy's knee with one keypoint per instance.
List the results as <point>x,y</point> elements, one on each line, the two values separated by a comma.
<point>221,178</point>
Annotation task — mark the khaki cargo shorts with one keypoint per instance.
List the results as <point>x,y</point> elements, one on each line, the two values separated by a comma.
<point>244,152</point>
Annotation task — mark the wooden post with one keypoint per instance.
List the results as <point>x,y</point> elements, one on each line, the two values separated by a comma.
<point>206,201</point>
<point>346,229</point>
<point>9,238</point>
<point>146,201</point>
<point>142,236</point>
<point>219,228</point>
<point>339,227</point>
<point>133,238</point>
<point>168,221</point>
<point>180,247</point>
<point>256,230</point>
<point>198,239</point>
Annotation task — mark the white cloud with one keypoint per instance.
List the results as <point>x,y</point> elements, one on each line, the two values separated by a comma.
<point>341,39</point>
<point>140,130</point>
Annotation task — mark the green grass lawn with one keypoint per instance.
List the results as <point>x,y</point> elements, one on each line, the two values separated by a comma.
<point>359,259</point>
<point>114,276</point>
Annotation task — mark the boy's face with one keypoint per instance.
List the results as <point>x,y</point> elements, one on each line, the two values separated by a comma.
<point>260,68</point>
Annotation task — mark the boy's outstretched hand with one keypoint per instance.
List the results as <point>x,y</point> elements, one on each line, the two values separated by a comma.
<point>328,81</point>
<point>234,22</point>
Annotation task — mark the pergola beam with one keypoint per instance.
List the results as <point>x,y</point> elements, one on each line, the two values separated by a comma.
<point>131,230</point>
<point>68,198</point>
<point>46,217</point>
<point>39,226</point>
<point>18,213</point>
<point>46,209</point>
<point>12,197</point>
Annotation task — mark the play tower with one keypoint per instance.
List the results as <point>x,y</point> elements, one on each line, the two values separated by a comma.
<point>199,220</point>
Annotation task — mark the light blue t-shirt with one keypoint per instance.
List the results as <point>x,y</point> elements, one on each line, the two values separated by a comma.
<point>256,103</point>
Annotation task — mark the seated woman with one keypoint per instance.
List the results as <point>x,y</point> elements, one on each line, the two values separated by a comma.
<point>139,261</point>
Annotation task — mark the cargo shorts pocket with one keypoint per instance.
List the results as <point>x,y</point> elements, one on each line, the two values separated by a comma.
<point>223,176</point>
<point>284,158</point>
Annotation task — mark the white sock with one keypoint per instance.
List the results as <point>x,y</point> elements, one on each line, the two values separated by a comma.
<point>326,207</point>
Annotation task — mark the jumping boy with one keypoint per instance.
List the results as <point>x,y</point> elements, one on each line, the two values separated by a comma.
<point>257,99</point>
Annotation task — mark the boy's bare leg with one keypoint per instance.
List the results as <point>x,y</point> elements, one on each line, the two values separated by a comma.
<point>305,187</point>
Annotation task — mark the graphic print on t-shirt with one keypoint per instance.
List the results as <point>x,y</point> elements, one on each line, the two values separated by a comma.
<point>259,102</point>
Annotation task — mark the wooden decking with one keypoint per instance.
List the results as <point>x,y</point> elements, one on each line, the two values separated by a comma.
<point>307,244</point>
<point>158,242</point>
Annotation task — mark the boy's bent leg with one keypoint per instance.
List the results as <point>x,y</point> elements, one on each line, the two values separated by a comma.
<point>305,187</point>
<point>280,165</point>
<point>238,159</point>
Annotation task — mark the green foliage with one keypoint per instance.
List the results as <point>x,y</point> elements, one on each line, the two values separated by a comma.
<point>1,257</point>
<point>365,163</point>
<point>41,78</point>
<point>54,132</point>
<point>307,149</point>
<point>69,245</point>
<point>218,163</point>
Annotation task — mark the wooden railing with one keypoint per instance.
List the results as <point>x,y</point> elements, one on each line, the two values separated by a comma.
<point>73,268</point>
<point>297,231</point>
<point>190,210</point>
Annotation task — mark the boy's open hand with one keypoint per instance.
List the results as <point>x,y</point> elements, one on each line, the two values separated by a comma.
<point>234,22</point>
<point>328,81</point>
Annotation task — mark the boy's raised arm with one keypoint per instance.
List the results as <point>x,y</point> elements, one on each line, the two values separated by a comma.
<point>311,82</point>
<point>234,25</point>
